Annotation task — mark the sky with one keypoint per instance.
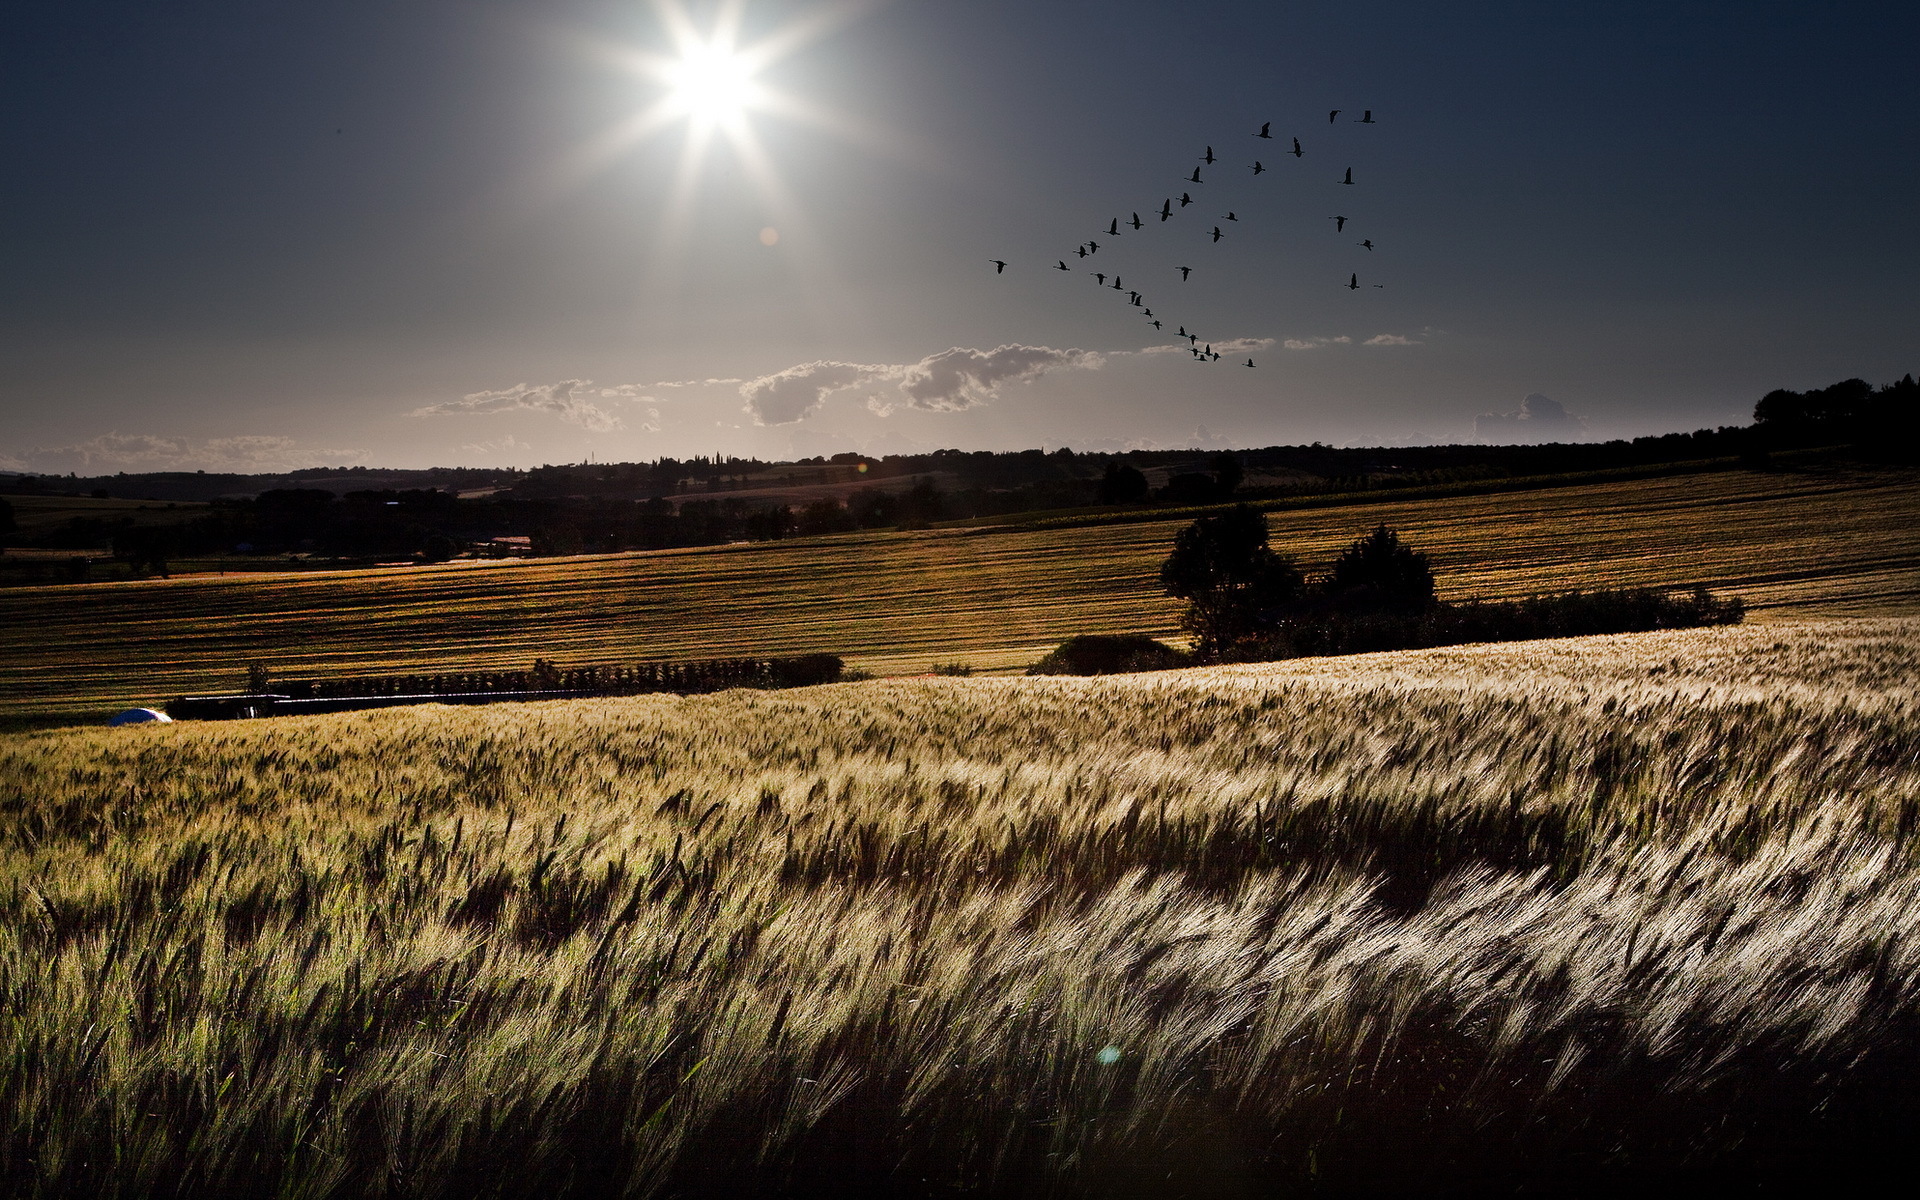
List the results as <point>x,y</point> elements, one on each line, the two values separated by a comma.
<point>479,232</point>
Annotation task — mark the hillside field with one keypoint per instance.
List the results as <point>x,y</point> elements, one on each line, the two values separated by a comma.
<point>1823,542</point>
<point>1612,914</point>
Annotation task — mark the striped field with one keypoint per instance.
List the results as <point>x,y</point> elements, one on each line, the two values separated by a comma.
<point>1832,542</point>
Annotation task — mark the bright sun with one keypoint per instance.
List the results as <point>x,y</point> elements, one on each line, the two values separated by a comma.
<point>712,84</point>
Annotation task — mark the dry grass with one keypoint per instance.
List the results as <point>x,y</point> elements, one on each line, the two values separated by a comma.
<point>1586,913</point>
<point>1830,543</point>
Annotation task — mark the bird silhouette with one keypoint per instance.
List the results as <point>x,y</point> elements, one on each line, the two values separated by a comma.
<point>1183,331</point>
<point>1353,284</point>
<point>1297,151</point>
<point>1136,221</point>
<point>1349,178</point>
<point>1379,285</point>
<point>1214,353</point>
<point>999,265</point>
<point>1217,235</point>
<point>1233,216</point>
<point>1099,278</point>
<point>1193,338</point>
<point>1339,223</point>
<point>1117,285</point>
<point>1184,272</point>
<point>1133,298</point>
<point>1257,167</point>
<point>1367,120</point>
<point>1147,313</point>
<point>1249,362</point>
<point>1093,247</point>
<point>1209,349</point>
<point>1265,126</point>
<point>1368,243</point>
<point>1158,325</point>
<point>1332,115</point>
<point>1166,209</point>
<point>1082,252</point>
<point>1195,177</point>
<point>1062,266</point>
<point>1209,156</point>
<point>1113,229</point>
<point>1185,199</point>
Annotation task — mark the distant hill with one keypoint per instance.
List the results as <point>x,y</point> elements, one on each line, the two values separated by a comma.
<point>216,485</point>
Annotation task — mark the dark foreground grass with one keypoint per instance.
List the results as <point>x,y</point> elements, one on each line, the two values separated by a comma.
<point>1555,918</point>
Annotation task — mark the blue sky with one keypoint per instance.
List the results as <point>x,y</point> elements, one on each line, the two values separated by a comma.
<point>252,236</point>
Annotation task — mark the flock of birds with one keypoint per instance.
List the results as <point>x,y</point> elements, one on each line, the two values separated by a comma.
<point>1202,351</point>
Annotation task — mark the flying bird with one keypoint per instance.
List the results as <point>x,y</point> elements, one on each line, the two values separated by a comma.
<point>1209,157</point>
<point>1183,331</point>
<point>1184,272</point>
<point>1136,221</point>
<point>1113,229</point>
<point>1193,338</point>
<point>1133,298</point>
<point>999,265</point>
<point>1217,235</point>
<point>1082,252</point>
<point>1265,126</point>
<point>1297,151</point>
<point>1339,223</point>
<point>1368,243</point>
<point>1332,115</point>
<point>1367,120</point>
<point>1249,362</point>
<point>1185,199</point>
<point>1147,313</point>
<point>1257,167</point>
<point>1093,247</point>
<point>1166,209</point>
<point>1158,325</point>
<point>1099,278</point>
<point>1062,266</point>
<point>1195,177</point>
<point>1214,353</point>
<point>1353,284</point>
<point>1233,216</point>
<point>1117,285</point>
<point>1349,178</point>
<point>1379,285</point>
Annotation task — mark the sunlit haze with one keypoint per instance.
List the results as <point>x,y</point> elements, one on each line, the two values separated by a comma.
<point>505,234</point>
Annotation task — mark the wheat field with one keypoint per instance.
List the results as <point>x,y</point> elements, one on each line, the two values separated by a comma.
<point>1589,914</point>
<point>1827,542</point>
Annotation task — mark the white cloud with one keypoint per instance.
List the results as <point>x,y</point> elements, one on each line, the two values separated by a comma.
<point>1389,339</point>
<point>565,400</point>
<point>798,392</point>
<point>950,381</point>
<point>1314,343</point>
<point>958,379</point>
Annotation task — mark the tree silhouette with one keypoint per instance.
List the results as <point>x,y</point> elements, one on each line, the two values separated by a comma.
<point>1380,572</point>
<point>1235,585</point>
<point>1122,484</point>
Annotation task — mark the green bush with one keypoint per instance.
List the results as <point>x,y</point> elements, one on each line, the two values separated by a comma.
<point>1109,654</point>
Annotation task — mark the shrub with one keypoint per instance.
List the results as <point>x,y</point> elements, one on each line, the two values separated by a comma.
<point>1109,654</point>
<point>1379,571</point>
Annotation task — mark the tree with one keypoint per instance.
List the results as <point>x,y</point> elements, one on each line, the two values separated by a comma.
<point>6,515</point>
<point>1235,585</point>
<point>1227,473</point>
<point>1122,484</point>
<point>1380,572</point>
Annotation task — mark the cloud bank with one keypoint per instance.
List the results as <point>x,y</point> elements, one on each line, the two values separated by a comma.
<point>244,454</point>
<point>1538,419</point>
